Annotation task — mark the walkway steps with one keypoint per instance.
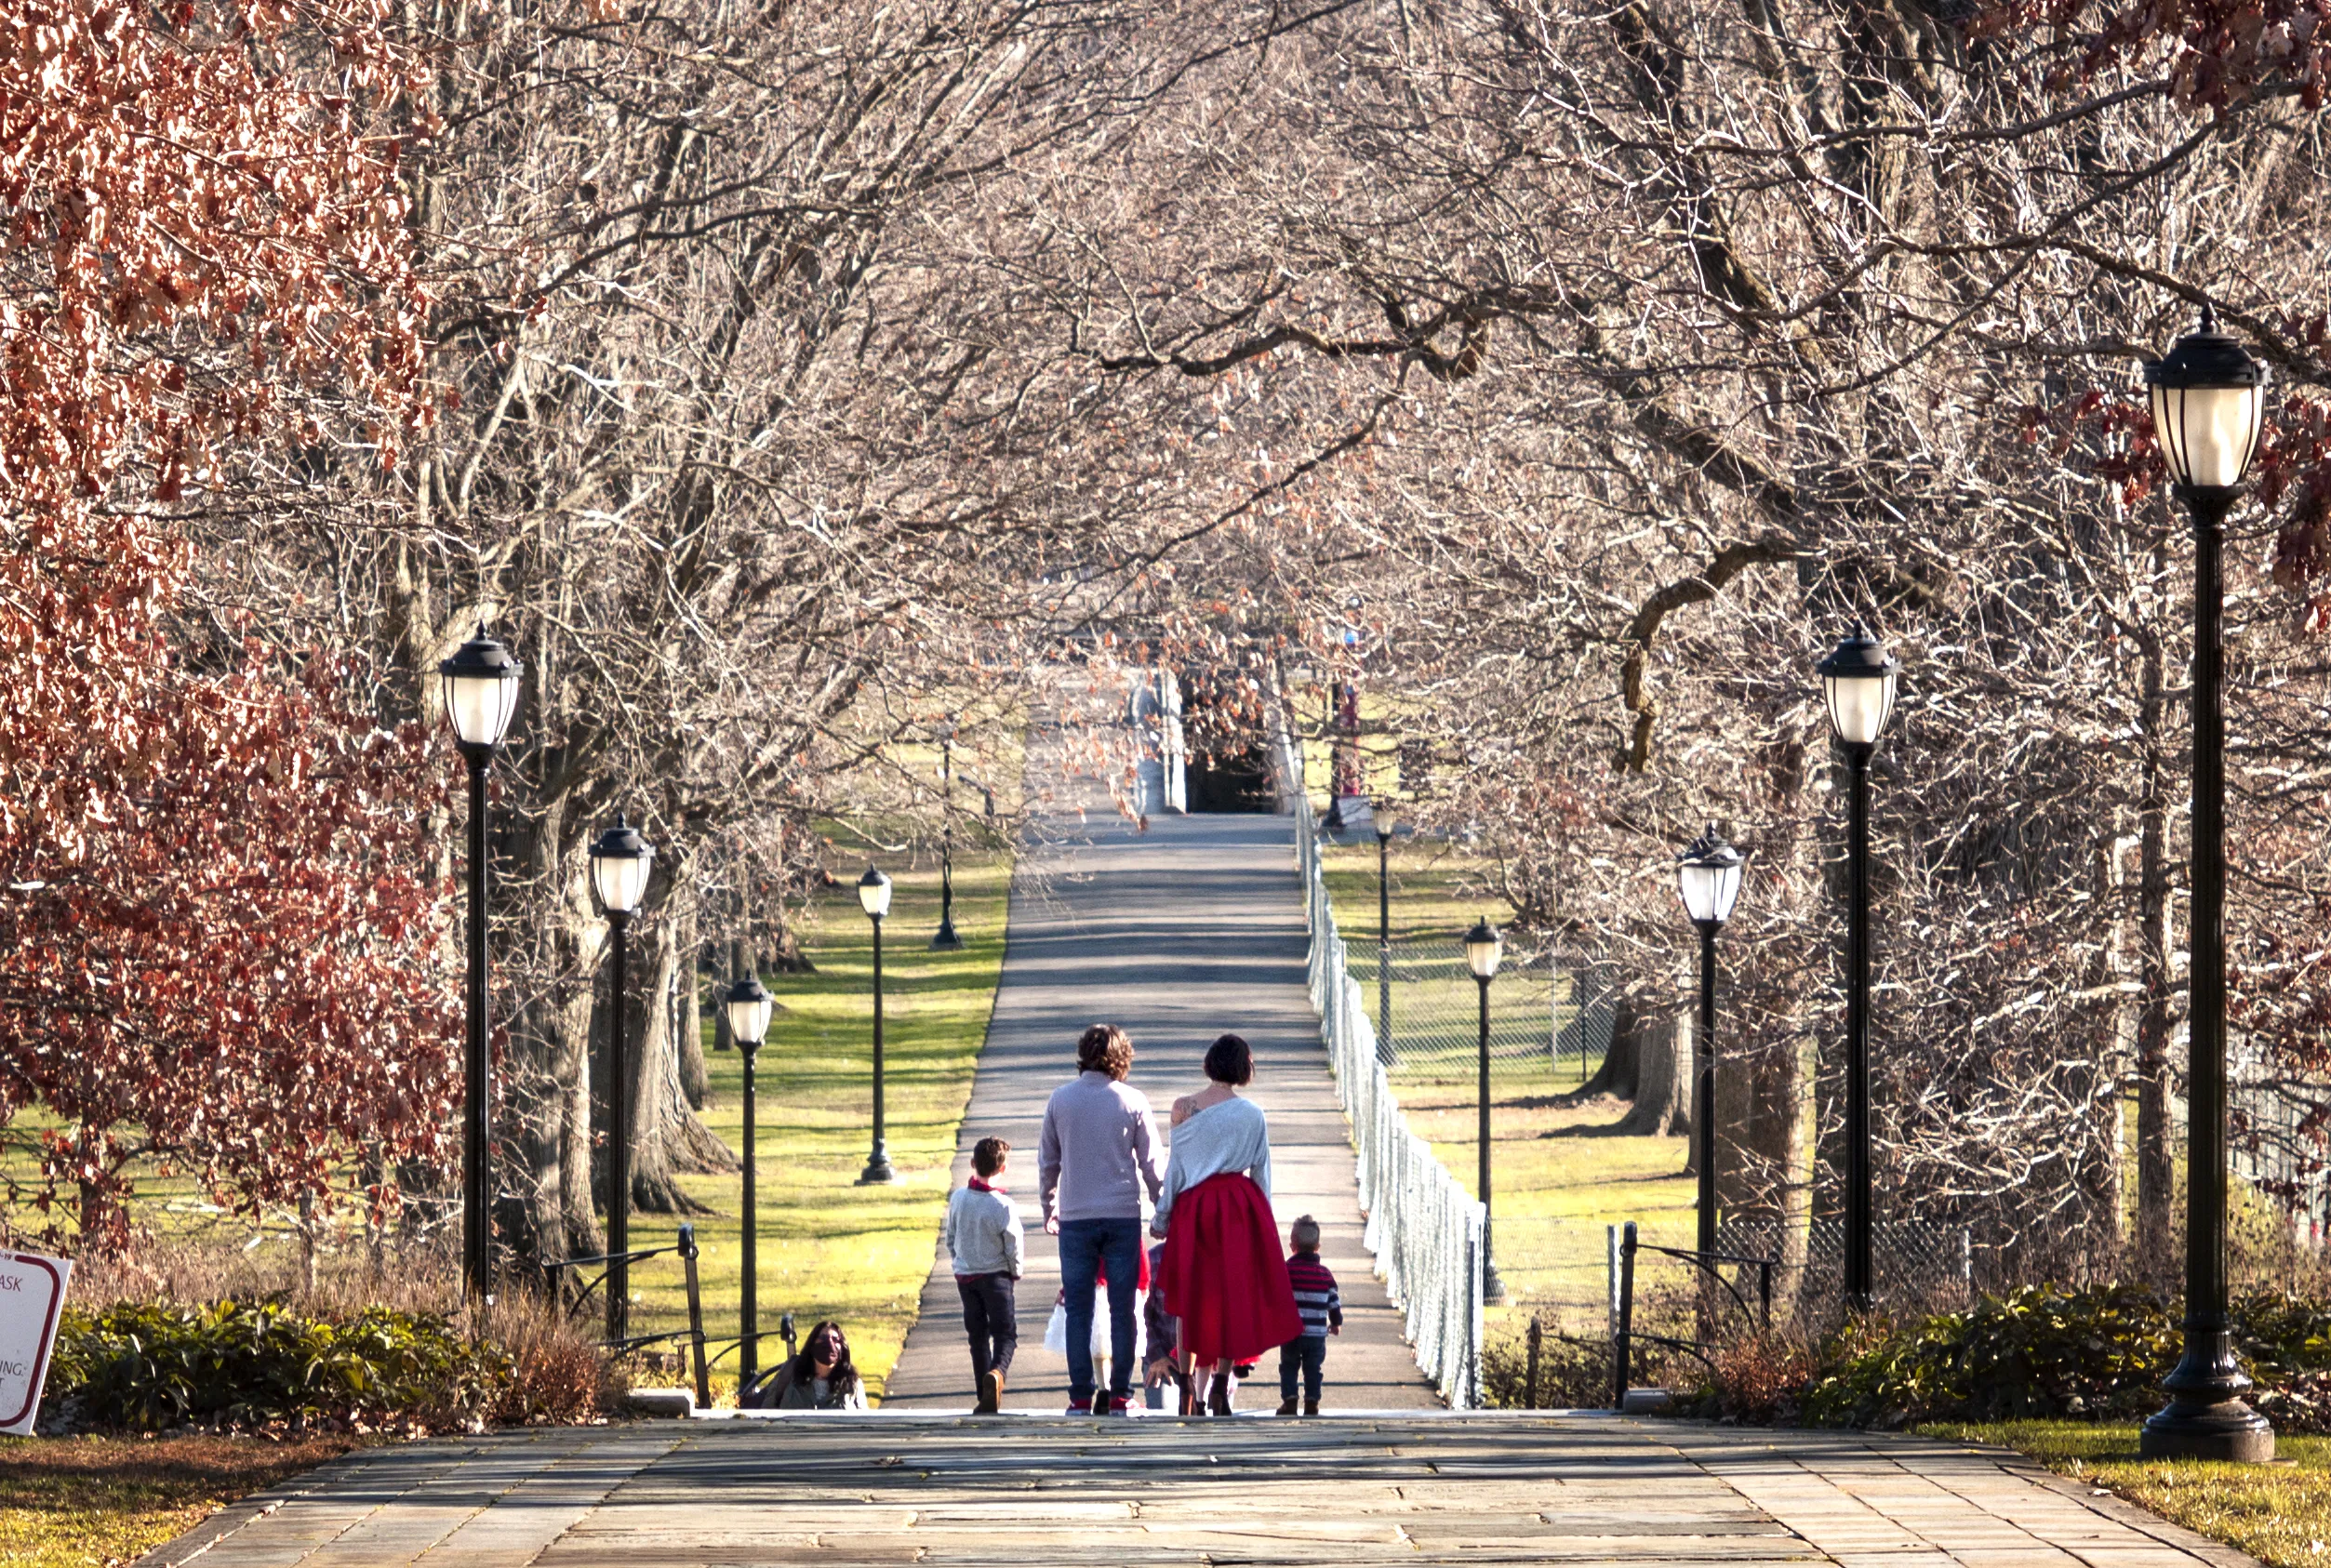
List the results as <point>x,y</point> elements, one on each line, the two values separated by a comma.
<point>1424,1491</point>
<point>1179,933</point>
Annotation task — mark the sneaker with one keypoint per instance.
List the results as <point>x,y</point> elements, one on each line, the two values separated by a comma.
<point>1311,1407</point>
<point>1286,1406</point>
<point>1120,1404</point>
<point>1080,1407</point>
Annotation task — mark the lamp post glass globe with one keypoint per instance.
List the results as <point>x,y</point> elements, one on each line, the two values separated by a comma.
<point>621,864</point>
<point>748,1005</point>
<point>874,892</point>
<point>1708,874</point>
<point>481,692</point>
<point>1858,681</point>
<point>1387,817</point>
<point>1484,949</point>
<point>2208,399</point>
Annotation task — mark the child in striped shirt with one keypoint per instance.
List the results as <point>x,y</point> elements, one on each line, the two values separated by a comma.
<point>1322,1312</point>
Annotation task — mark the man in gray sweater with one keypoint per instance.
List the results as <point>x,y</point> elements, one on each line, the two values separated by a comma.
<point>1097,1156</point>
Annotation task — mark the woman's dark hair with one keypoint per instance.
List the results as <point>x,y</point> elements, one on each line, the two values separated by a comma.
<point>1231,1061</point>
<point>1105,1049</point>
<point>805,1364</point>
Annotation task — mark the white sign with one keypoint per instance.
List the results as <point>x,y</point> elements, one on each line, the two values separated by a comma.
<point>31,1297</point>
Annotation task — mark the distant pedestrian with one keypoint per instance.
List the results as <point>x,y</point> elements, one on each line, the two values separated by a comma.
<point>982,1236</point>
<point>1321,1310</point>
<point>1097,1156</point>
<point>1223,1278</point>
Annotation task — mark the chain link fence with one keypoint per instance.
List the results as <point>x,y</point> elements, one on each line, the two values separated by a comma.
<point>1426,1231</point>
<point>1425,1007</point>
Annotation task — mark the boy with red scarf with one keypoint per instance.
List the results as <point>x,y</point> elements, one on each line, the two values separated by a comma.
<point>982,1235</point>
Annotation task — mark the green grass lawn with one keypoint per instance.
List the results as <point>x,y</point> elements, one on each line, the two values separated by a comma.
<point>2280,1514</point>
<point>828,1247</point>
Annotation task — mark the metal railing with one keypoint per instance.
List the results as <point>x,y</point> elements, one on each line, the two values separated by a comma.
<point>578,1296</point>
<point>1425,1230</point>
<point>1710,1267</point>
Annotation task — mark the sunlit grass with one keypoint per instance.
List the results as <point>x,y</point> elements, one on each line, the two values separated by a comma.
<point>2280,1514</point>
<point>91,1502</point>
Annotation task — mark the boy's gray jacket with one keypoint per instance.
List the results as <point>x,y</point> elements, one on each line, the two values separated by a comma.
<point>982,1232</point>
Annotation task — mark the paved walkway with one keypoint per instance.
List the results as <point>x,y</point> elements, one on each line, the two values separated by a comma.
<point>1181,933</point>
<point>1421,1491</point>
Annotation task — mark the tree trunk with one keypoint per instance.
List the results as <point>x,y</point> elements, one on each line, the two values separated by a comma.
<point>667,1137</point>
<point>2155,1157</point>
<point>577,1139</point>
<point>689,998</point>
<point>1663,1080</point>
<point>1616,1076</point>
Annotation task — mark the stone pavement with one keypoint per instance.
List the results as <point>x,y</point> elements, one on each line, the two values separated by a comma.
<point>1179,932</point>
<point>1419,1490</point>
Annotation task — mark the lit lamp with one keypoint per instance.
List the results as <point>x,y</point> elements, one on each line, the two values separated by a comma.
<point>873,897</point>
<point>480,688</point>
<point>1857,683</point>
<point>2209,401</point>
<point>621,864</point>
<point>1484,950</point>
<point>748,1006</point>
<point>1708,875</point>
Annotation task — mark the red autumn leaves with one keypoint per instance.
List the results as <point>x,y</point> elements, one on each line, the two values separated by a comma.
<point>218,953</point>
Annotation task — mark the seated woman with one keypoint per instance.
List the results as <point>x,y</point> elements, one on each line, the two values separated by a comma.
<point>1222,1276</point>
<point>820,1379</point>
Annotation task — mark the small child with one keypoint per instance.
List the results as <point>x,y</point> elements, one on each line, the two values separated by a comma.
<point>1158,1334</point>
<point>1321,1310</point>
<point>982,1235</point>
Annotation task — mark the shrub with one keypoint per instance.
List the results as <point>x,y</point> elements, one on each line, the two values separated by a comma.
<point>1572,1374</point>
<point>2036,1353</point>
<point>1758,1378</point>
<point>262,1365</point>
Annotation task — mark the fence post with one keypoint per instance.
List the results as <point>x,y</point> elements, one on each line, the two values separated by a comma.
<point>696,1319</point>
<point>1764,1288</point>
<point>785,1328</point>
<point>1537,1335</point>
<point>1622,1343</point>
<point>1610,1277</point>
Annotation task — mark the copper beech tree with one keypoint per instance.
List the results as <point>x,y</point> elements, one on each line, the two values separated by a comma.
<point>218,953</point>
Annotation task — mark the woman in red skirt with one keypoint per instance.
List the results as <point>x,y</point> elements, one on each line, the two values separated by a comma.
<point>1224,1276</point>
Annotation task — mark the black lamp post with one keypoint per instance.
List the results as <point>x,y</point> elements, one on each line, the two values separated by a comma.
<point>1708,874</point>
<point>481,693</point>
<point>873,897</point>
<point>1484,947</point>
<point>947,941</point>
<point>747,1007</point>
<point>621,861</point>
<point>1858,680</point>
<point>2208,398</point>
<point>1386,822</point>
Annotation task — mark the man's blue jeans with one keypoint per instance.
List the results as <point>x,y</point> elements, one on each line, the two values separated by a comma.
<point>1085,1246</point>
